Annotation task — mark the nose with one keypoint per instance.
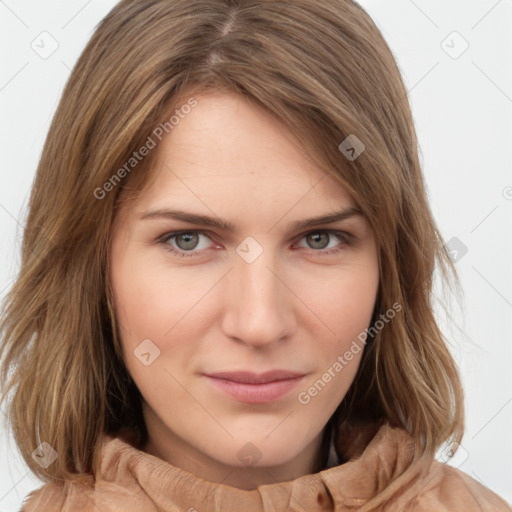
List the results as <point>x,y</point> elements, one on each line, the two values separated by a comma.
<point>259,306</point>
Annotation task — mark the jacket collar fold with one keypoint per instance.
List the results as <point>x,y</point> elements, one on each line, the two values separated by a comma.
<point>147,481</point>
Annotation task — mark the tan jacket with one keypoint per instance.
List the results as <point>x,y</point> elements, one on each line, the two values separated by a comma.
<point>380,475</point>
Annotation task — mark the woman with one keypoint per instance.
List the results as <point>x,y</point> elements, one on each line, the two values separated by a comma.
<point>224,298</point>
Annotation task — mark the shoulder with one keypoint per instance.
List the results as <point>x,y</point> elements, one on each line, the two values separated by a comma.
<point>398,478</point>
<point>52,497</point>
<point>447,489</point>
<point>81,492</point>
<point>49,497</point>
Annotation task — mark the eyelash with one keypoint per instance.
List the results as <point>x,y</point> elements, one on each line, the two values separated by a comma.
<point>164,239</point>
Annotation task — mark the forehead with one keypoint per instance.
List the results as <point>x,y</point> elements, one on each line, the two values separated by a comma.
<point>228,151</point>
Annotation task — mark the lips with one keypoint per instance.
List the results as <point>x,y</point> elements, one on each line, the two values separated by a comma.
<point>253,378</point>
<point>254,388</point>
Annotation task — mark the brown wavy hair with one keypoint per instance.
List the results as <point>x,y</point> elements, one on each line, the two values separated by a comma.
<point>322,67</point>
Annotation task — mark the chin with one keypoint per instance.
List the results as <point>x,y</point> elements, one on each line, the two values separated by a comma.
<point>260,452</point>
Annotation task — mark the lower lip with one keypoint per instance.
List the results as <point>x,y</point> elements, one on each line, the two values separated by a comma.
<point>256,393</point>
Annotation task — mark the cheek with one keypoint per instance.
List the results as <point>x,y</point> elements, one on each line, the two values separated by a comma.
<point>343,303</point>
<point>345,309</point>
<point>147,307</point>
<point>356,304</point>
<point>162,304</point>
<point>148,303</point>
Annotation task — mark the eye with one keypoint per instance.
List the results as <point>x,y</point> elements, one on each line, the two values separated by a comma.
<point>186,244</point>
<point>320,240</point>
<point>186,241</point>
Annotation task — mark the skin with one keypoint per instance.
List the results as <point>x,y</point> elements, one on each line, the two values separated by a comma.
<point>294,307</point>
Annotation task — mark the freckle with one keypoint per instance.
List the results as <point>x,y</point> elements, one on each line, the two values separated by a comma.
<point>320,498</point>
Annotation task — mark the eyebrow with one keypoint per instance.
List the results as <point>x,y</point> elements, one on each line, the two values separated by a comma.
<point>221,224</point>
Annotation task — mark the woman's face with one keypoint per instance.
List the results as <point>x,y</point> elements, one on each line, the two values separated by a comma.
<point>269,294</point>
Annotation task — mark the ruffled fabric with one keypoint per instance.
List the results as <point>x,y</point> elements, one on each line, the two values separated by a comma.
<point>381,474</point>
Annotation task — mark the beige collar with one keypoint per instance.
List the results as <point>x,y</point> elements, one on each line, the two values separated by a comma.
<point>149,479</point>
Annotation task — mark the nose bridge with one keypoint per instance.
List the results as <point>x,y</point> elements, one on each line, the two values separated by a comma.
<point>259,308</point>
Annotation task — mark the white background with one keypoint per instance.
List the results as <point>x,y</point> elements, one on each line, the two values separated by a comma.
<point>462,107</point>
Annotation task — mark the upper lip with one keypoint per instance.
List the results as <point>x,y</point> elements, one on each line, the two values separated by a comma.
<point>255,378</point>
